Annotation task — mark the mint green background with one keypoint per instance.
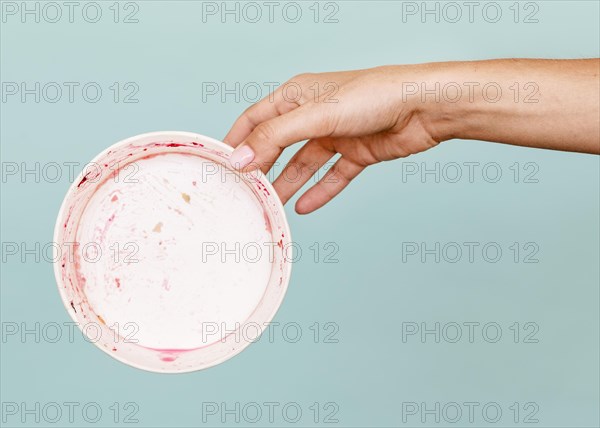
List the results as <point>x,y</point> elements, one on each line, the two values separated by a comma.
<point>369,292</point>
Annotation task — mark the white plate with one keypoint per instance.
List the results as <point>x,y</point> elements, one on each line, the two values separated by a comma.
<point>167,259</point>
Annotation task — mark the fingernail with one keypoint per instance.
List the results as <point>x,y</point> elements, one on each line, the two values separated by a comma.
<point>241,157</point>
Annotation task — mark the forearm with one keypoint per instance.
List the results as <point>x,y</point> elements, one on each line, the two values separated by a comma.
<point>553,104</point>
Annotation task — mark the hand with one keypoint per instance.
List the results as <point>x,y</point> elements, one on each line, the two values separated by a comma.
<point>369,116</point>
<point>358,114</point>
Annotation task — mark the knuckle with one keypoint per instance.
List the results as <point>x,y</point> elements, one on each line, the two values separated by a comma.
<point>367,156</point>
<point>299,166</point>
<point>247,113</point>
<point>334,175</point>
<point>302,77</point>
<point>264,132</point>
<point>297,88</point>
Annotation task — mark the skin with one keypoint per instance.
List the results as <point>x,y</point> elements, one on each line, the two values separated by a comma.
<point>385,113</point>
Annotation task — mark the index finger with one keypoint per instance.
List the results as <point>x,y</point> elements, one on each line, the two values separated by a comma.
<point>271,106</point>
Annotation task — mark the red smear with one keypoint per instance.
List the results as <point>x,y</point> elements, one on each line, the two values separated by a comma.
<point>263,188</point>
<point>118,281</point>
<point>114,198</point>
<point>267,222</point>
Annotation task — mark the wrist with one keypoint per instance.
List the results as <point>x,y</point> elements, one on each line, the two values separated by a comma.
<point>441,99</point>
